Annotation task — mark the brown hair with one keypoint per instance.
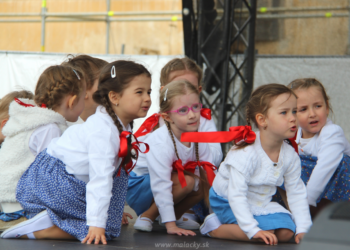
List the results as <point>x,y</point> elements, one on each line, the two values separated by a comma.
<point>125,71</point>
<point>306,83</point>
<point>260,102</point>
<point>173,89</point>
<point>180,64</point>
<point>90,66</point>
<point>55,83</point>
<point>7,99</point>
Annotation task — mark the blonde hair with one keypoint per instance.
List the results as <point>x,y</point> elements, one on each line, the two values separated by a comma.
<point>7,99</point>
<point>260,102</point>
<point>306,83</point>
<point>180,64</point>
<point>55,83</point>
<point>167,94</point>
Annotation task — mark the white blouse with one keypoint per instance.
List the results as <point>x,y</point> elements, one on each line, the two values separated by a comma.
<point>248,179</point>
<point>90,152</point>
<point>158,163</point>
<point>42,136</point>
<point>205,125</point>
<point>329,146</point>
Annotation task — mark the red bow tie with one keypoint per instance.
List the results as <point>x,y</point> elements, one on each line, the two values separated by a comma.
<point>191,167</point>
<point>236,134</point>
<point>123,151</point>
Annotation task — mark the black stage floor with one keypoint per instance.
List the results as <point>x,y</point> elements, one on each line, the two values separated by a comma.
<point>132,239</point>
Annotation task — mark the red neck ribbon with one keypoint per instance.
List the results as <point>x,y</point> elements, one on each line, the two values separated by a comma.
<point>27,105</point>
<point>123,151</point>
<point>191,166</point>
<point>236,134</point>
<point>148,125</point>
<point>294,144</point>
<point>206,113</point>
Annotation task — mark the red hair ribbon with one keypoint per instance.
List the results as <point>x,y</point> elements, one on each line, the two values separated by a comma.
<point>236,134</point>
<point>148,125</point>
<point>27,105</point>
<point>206,113</point>
<point>123,150</point>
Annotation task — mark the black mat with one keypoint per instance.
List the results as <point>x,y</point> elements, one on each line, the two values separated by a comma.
<point>132,239</point>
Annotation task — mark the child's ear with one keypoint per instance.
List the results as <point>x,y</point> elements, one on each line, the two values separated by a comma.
<point>261,120</point>
<point>114,97</point>
<point>3,122</point>
<point>71,101</point>
<point>166,117</point>
<point>199,89</point>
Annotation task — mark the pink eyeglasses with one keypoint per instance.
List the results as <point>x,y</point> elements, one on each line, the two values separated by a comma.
<point>185,109</point>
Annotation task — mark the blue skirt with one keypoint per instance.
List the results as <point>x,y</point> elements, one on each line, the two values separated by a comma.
<point>139,196</point>
<point>222,209</point>
<point>338,187</point>
<point>46,185</point>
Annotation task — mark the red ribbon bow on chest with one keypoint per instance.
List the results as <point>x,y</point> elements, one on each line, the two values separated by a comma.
<point>236,134</point>
<point>191,167</point>
<point>27,105</point>
<point>206,113</point>
<point>123,151</point>
<point>148,125</point>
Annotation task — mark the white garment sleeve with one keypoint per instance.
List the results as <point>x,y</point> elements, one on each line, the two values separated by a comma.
<point>42,136</point>
<point>102,146</point>
<point>237,198</point>
<point>159,162</point>
<point>297,196</point>
<point>215,148</point>
<point>328,159</point>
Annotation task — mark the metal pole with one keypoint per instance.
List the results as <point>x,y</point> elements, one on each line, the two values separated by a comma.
<point>43,19</point>
<point>200,33</point>
<point>108,25</point>
<point>348,48</point>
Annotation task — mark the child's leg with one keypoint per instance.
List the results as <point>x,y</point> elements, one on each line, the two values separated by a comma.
<point>284,235</point>
<point>52,233</point>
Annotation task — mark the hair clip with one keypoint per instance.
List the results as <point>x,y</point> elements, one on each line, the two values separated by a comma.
<point>291,86</point>
<point>166,92</point>
<point>113,74</point>
<point>76,74</point>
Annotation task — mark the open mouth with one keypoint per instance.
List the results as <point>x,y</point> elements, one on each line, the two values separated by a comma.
<point>145,108</point>
<point>293,128</point>
<point>314,123</point>
<point>192,124</point>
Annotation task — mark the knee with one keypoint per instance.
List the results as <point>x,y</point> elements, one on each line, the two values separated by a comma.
<point>190,184</point>
<point>284,235</point>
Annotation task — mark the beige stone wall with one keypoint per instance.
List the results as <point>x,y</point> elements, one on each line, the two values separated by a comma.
<point>311,36</point>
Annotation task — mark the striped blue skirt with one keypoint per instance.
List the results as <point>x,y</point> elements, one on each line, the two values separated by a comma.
<point>222,209</point>
<point>46,185</point>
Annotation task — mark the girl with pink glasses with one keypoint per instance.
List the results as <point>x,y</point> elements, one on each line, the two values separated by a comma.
<point>173,176</point>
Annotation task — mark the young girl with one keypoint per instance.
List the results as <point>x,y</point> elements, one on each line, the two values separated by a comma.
<point>323,149</point>
<point>34,123</point>
<point>91,67</point>
<point>77,187</point>
<point>172,177</point>
<point>248,177</point>
<point>11,216</point>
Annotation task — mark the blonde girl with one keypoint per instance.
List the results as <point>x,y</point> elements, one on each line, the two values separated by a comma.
<point>76,188</point>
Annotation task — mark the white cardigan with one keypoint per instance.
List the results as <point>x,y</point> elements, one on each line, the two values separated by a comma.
<point>15,154</point>
<point>158,163</point>
<point>248,179</point>
<point>329,146</point>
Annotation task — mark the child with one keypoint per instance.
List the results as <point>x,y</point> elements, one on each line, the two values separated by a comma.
<point>34,123</point>
<point>11,216</point>
<point>248,177</point>
<point>91,67</point>
<point>77,187</point>
<point>323,149</point>
<point>169,173</point>
<point>183,69</point>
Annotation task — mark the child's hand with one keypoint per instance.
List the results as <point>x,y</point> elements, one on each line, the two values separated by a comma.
<point>267,237</point>
<point>173,229</point>
<point>299,237</point>
<point>125,218</point>
<point>97,234</point>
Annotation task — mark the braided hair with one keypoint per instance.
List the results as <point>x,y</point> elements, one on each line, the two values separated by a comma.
<point>125,71</point>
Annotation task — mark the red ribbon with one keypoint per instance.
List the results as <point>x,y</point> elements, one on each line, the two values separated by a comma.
<point>148,125</point>
<point>191,167</point>
<point>236,134</point>
<point>27,105</point>
<point>294,144</point>
<point>123,150</point>
<point>206,113</point>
